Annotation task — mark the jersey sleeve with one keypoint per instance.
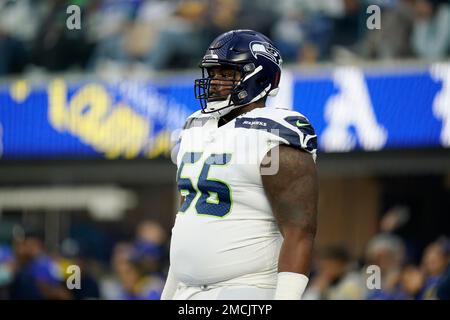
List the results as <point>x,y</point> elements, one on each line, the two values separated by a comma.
<point>293,129</point>
<point>285,127</point>
<point>299,133</point>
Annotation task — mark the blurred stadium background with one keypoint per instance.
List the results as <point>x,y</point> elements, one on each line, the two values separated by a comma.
<point>87,118</point>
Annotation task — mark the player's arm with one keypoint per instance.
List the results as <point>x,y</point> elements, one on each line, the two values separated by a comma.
<point>293,195</point>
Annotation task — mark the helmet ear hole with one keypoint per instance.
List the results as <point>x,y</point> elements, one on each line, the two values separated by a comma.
<point>249,67</point>
<point>242,95</point>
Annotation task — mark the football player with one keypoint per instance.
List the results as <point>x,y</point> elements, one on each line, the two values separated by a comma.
<point>247,176</point>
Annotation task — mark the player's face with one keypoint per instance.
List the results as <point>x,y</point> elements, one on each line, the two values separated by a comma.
<point>222,82</point>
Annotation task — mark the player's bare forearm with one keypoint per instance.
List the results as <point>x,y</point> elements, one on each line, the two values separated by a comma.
<point>296,251</point>
<point>293,195</point>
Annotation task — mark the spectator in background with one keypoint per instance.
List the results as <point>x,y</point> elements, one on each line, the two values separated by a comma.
<point>111,284</point>
<point>347,26</point>
<point>18,23</point>
<point>138,282</point>
<point>137,266</point>
<point>6,270</point>
<point>145,264</point>
<point>135,277</point>
<point>434,263</point>
<point>258,15</point>
<point>335,279</point>
<point>109,24</point>
<point>305,29</point>
<point>431,31</point>
<point>149,245</point>
<point>443,287</point>
<point>393,39</point>
<point>411,283</point>
<point>310,30</point>
<point>37,276</point>
<point>288,32</point>
<point>178,44</point>
<point>388,253</point>
<point>421,283</point>
<point>224,15</point>
<point>74,254</point>
<point>152,17</point>
<point>55,47</point>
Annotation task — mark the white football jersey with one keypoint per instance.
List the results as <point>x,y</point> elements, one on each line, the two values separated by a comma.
<point>225,231</point>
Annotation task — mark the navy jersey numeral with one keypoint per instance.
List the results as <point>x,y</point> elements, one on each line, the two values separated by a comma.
<point>215,195</point>
<point>185,185</point>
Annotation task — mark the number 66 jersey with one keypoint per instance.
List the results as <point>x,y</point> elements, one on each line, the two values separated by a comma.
<point>225,231</point>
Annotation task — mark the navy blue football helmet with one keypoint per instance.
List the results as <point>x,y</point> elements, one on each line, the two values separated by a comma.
<point>251,54</point>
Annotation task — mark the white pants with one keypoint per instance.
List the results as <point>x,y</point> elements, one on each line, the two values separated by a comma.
<point>223,293</point>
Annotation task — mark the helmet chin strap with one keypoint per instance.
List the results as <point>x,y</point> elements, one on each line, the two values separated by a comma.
<point>224,111</point>
<point>220,108</point>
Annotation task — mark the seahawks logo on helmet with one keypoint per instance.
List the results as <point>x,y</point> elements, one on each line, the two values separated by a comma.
<point>266,50</point>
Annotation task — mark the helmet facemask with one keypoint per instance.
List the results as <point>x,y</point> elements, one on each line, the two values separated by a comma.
<point>236,89</point>
<point>217,92</point>
<point>255,58</point>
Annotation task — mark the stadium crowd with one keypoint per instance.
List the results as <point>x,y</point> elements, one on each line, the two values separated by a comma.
<point>168,34</point>
<point>29,270</point>
<point>135,269</point>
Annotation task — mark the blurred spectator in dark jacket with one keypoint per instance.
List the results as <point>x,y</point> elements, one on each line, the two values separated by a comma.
<point>74,254</point>
<point>149,245</point>
<point>146,262</point>
<point>392,40</point>
<point>56,48</point>
<point>6,270</point>
<point>434,263</point>
<point>19,20</point>
<point>37,276</point>
<point>346,27</point>
<point>443,287</point>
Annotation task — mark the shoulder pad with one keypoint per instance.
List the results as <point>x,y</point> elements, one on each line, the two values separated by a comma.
<point>292,127</point>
